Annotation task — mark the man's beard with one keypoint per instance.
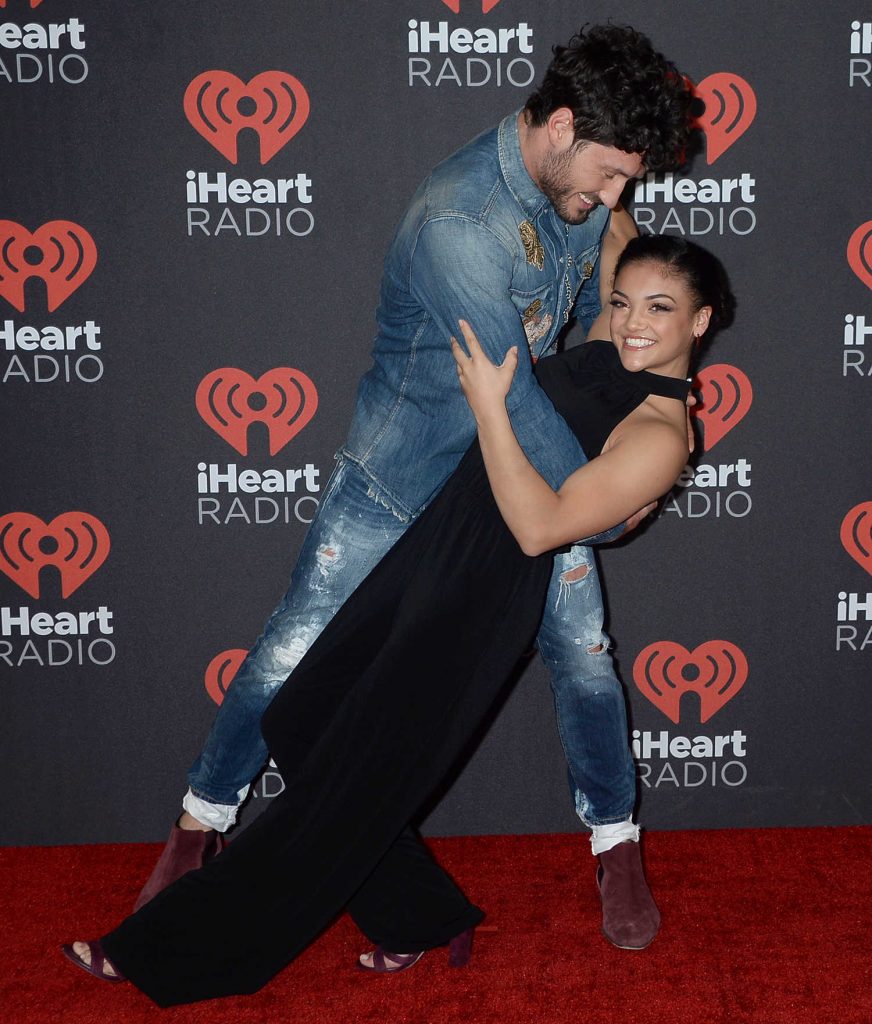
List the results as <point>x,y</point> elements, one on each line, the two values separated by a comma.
<point>553,182</point>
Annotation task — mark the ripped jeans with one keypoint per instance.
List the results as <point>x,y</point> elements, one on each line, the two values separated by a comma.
<point>351,532</point>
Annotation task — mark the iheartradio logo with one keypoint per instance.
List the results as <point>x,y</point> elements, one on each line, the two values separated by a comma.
<point>230,400</point>
<point>856,534</point>
<point>725,397</point>
<point>730,107</point>
<point>486,5</point>
<point>715,671</point>
<point>62,253</point>
<point>76,543</point>
<point>220,672</point>
<point>219,105</point>
<point>860,253</point>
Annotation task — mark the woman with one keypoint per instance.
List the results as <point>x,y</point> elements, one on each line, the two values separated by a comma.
<point>386,700</point>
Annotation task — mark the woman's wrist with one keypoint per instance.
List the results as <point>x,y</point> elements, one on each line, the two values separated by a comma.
<point>490,414</point>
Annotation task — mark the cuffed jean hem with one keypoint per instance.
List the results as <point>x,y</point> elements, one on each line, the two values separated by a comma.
<point>605,837</point>
<point>221,817</point>
<point>582,809</point>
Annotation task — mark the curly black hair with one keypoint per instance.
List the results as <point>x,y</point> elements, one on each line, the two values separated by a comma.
<point>621,92</point>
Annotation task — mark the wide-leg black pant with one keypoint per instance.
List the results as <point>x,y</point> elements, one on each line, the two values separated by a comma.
<point>378,712</point>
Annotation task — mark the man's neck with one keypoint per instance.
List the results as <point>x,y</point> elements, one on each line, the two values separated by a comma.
<point>530,140</point>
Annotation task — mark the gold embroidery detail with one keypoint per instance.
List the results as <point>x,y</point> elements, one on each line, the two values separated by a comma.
<point>532,246</point>
<point>537,328</point>
<point>531,311</point>
<point>588,269</point>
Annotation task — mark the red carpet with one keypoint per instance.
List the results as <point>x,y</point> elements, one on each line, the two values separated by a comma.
<point>758,926</point>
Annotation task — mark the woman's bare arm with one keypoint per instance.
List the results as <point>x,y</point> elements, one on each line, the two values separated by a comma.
<point>643,466</point>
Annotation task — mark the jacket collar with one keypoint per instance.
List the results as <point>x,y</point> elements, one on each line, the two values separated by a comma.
<point>521,185</point>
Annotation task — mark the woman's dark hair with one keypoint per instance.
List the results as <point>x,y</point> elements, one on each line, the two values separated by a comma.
<point>701,272</point>
<point>621,92</point>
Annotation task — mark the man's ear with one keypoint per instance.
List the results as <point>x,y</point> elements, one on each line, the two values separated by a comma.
<point>561,133</point>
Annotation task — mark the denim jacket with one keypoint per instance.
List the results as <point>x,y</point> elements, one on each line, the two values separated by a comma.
<point>479,241</point>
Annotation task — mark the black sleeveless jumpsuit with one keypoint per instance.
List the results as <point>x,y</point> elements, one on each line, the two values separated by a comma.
<point>380,709</point>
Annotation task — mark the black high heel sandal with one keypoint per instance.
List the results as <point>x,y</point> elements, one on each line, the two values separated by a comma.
<point>99,961</point>
<point>385,962</point>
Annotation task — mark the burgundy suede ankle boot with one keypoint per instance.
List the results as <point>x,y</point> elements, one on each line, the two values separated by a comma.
<point>630,915</point>
<point>185,850</point>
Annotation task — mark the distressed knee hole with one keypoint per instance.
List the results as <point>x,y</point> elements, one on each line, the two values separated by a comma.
<point>591,648</point>
<point>327,557</point>
<point>574,575</point>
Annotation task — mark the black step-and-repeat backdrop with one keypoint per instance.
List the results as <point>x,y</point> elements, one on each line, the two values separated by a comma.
<point>196,199</point>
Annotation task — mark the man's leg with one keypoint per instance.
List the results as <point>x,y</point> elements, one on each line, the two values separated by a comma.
<point>592,720</point>
<point>350,534</point>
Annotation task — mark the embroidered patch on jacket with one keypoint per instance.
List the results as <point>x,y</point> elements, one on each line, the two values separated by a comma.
<point>587,268</point>
<point>535,326</point>
<point>532,246</point>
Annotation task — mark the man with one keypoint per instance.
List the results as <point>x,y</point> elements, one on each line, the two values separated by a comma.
<point>507,233</point>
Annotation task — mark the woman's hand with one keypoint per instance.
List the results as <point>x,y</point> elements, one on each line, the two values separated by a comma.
<point>484,384</point>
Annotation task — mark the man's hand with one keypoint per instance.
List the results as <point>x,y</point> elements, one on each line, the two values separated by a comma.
<point>691,440</point>
<point>637,518</point>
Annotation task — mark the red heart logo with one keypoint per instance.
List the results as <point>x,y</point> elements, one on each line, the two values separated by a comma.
<point>33,3</point>
<point>220,672</point>
<point>725,396</point>
<point>76,543</point>
<point>486,5</point>
<point>860,253</point>
<point>219,105</point>
<point>730,107</point>
<point>63,254</point>
<point>230,400</point>
<point>716,671</point>
<point>856,534</point>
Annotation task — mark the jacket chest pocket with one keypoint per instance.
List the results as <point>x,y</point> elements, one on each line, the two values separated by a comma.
<point>582,268</point>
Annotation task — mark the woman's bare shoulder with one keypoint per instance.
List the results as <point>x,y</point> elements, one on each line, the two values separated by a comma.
<point>650,428</point>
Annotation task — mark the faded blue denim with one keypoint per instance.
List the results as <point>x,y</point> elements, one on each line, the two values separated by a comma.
<point>459,251</point>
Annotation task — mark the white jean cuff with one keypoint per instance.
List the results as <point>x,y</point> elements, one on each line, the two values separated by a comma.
<point>218,816</point>
<point>604,837</point>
